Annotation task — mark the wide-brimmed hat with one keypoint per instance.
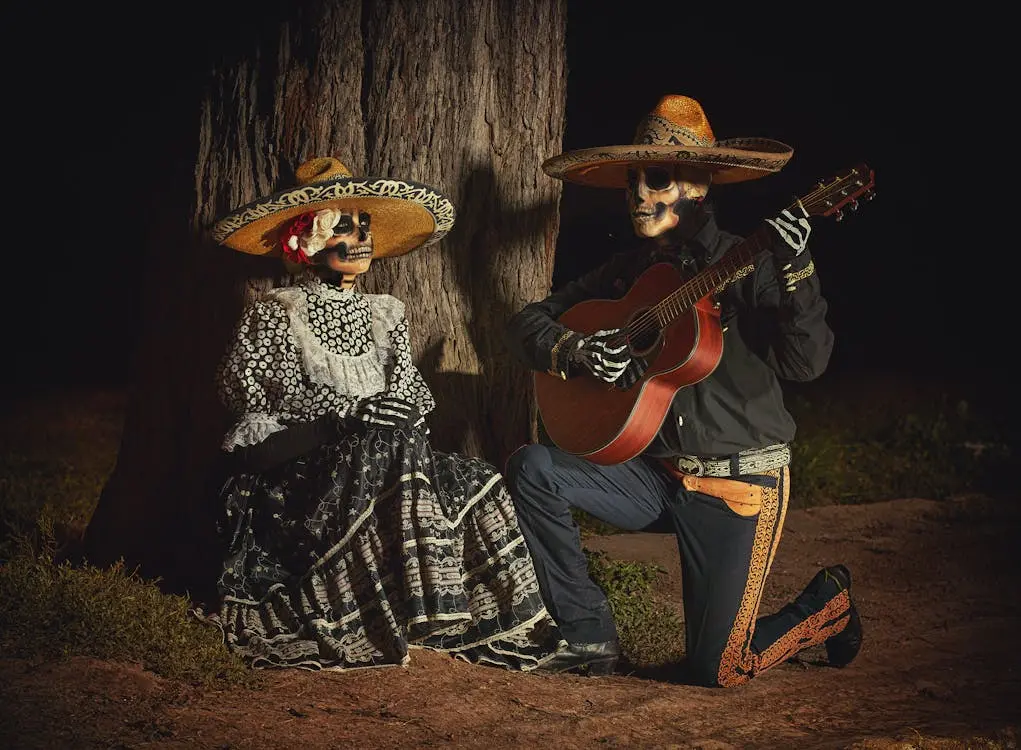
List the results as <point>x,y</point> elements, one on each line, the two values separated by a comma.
<point>405,214</point>
<point>677,131</point>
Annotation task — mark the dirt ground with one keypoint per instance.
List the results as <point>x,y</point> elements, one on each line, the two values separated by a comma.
<point>936,584</point>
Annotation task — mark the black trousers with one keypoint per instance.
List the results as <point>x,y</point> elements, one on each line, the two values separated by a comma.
<point>725,558</point>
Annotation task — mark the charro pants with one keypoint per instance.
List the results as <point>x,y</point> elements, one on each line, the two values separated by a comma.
<point>725,558</point>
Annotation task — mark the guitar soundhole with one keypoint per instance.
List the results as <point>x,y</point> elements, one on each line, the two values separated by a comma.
<point>642,339</point>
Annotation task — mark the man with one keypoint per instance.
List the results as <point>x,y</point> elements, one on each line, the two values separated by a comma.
<point>716,472</point>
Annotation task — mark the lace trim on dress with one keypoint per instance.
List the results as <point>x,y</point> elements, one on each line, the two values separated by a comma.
<point>387,312</point>
<point>359,376</point>
<point>253,428</point>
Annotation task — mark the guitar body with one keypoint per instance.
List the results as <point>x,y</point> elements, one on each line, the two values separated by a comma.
<point>680,338</point>
<point>605,424</point>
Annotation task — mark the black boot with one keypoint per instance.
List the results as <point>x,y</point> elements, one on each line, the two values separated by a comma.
<point>584,658</point>
<point>842,648</point>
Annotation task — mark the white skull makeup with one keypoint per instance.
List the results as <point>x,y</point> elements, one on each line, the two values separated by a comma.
<point>352,236</point>
<point>654,193</point>
<point>349,248</point>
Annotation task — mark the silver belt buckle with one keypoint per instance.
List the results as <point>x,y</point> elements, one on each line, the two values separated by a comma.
<point>690,465</point>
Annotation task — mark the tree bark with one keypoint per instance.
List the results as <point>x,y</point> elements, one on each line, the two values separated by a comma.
<point>467,97</point>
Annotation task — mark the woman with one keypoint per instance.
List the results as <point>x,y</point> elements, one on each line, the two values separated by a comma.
<point>349,538</point>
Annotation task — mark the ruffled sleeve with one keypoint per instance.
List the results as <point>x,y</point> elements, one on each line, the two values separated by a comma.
<point>260,368</point>
<point>390,330</point>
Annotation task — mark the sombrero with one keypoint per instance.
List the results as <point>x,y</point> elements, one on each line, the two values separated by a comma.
<point>675,132</point>
<point>405,214</point>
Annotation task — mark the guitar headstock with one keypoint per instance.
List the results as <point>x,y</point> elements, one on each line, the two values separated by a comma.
<point>843,192</point>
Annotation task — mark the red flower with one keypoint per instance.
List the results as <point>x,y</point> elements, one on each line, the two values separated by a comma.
<point>295,229</point>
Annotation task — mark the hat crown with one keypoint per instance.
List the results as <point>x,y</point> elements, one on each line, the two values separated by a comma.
<point>675,121</point>
<point>321,169</point>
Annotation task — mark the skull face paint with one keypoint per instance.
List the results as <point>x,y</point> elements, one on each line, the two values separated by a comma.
<point>658,196</point>
<point>349,250</point>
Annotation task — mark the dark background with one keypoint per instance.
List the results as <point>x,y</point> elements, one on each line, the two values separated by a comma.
<point>106,105</point>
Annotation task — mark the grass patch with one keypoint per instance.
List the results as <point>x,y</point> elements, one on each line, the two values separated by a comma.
<point>650,632</point>
<point>860,442</point>
<point>57,449</point>
<point>54,610</point>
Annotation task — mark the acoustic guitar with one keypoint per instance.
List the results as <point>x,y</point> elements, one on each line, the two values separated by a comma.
<point>673,324</point>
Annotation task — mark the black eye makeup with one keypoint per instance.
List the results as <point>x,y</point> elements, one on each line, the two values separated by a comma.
<point>346,225</point>
<point>657,178</point>
<point>363,220</point>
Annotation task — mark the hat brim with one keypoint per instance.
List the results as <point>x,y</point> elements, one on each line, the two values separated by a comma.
<point>737,160</point>
<point>405,215</point>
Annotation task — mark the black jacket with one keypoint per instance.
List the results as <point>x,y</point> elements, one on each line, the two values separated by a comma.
<point>770,332</point>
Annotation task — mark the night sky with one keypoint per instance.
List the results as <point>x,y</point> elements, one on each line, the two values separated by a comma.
<point>910,284</point>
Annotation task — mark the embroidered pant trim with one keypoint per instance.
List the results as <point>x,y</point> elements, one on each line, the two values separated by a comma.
<point>744,655</point>
<point>727,531</point>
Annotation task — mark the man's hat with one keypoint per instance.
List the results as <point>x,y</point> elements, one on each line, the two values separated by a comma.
<point>405,214</point>
<point>675,132</point>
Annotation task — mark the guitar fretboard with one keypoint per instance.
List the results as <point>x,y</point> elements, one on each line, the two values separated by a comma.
<point>825,200</point>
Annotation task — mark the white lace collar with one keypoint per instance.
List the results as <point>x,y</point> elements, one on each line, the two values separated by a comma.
<point>315,285</point>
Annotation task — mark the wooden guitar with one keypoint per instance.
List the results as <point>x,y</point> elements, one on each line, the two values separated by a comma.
<point>674,325</point>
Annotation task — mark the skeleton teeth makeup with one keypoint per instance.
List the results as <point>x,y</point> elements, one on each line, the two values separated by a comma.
<point>348,250</point>
<point>658,196</point>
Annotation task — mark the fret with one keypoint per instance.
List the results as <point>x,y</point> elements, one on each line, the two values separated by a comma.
<point>825,200</point>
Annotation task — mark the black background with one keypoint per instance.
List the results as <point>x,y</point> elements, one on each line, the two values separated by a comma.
<point>105,108</point>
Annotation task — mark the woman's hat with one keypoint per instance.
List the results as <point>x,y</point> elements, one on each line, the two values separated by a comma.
<point>675,132</point>
<point>405,214</point>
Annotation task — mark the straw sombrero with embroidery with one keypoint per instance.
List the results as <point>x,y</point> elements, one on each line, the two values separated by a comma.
<point>405,214</point>
<point>677,131</point>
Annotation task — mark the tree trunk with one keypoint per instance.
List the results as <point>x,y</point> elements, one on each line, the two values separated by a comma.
<point>467,97</point>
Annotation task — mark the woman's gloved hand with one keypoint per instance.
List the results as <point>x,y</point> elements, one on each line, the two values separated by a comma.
<point>387,412</point>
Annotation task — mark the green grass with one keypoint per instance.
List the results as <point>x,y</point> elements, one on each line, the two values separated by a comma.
<point>53,610</point>
<point>860,442</point>
<point>650,632</point>
<point>57,449</point>
<point>857,442</point>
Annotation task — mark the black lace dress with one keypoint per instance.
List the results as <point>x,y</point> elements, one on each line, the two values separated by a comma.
<point>373,542</point>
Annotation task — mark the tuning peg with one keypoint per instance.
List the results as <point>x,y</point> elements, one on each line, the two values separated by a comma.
<point>853,205</point>
<point>869,195</point>
<point>839,215</point>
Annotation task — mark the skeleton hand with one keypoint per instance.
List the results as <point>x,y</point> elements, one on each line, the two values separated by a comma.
<point>387,412</point>
<point>632,373</point>
<point>792,228</point>
<point>604,353</point>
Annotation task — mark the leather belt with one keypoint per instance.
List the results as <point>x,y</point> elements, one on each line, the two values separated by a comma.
<point>753,461</point>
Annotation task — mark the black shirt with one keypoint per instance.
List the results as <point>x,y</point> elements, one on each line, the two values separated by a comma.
<point>774,324</point>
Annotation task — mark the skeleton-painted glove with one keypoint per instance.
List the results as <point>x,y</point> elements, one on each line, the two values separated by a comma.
<point>632,373</point>
<point>387,412</point>
<point>604,353</point>
<point>791,239</point>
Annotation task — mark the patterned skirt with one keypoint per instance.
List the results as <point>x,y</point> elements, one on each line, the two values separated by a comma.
<point>351,554</point>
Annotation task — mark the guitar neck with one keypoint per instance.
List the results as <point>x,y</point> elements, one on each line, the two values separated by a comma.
<point>827,199</point>
<point>712,279</point>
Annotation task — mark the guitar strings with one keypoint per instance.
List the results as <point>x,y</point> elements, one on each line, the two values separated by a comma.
<point>651,318</point>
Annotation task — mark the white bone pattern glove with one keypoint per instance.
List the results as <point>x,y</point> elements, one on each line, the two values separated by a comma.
<point>385,411</point>
<point>604,353</point>
<point>793,228</point>
<point>634,372</point>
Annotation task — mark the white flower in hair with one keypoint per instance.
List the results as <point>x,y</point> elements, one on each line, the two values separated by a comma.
<point>315,238</point>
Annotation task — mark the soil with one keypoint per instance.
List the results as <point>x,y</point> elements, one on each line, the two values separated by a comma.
<point>936,584</point>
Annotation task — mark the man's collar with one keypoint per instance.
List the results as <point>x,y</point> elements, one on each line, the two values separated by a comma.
<point>699,245</point>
